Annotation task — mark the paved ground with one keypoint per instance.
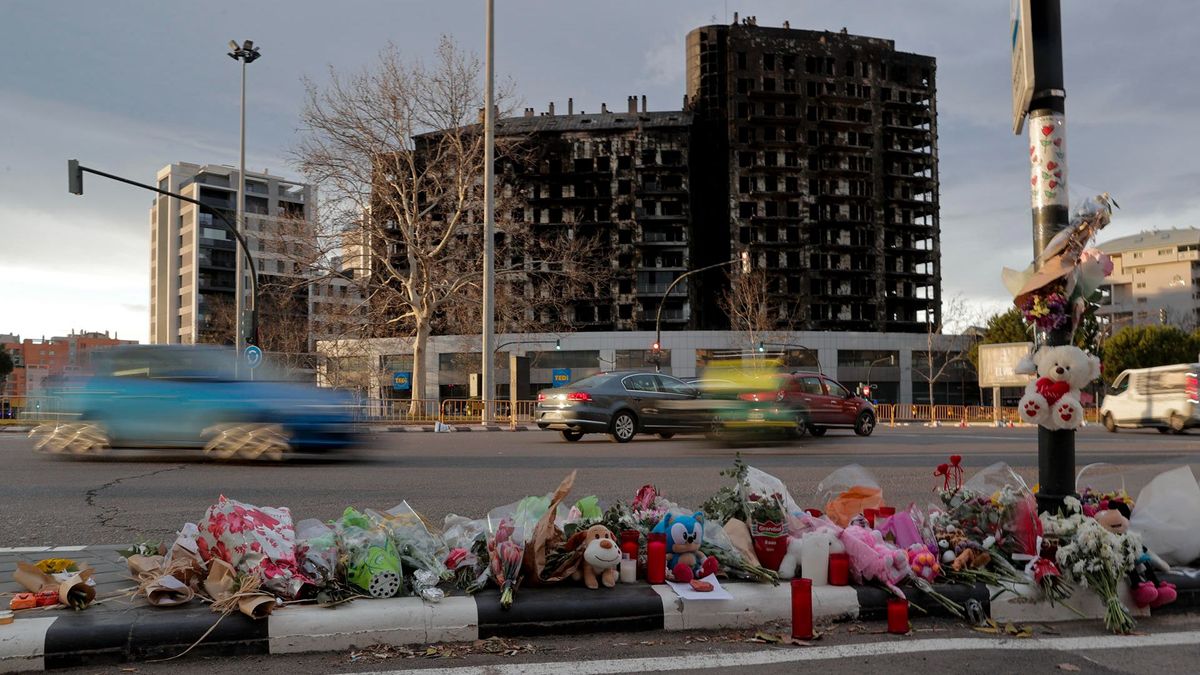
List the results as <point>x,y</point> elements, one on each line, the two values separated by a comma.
<point>50,500</point>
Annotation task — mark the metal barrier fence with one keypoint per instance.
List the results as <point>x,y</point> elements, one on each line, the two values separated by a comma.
<point>32,409</point>
<point>448,411</point>
<point>472,410</point>
<point>890,413</point>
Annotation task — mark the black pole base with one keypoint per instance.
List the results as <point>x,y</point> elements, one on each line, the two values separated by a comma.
<point>1056,468</point>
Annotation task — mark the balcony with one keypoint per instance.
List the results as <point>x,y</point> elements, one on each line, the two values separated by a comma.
<point>680,289</point>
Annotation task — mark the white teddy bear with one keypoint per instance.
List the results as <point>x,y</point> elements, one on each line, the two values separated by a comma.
<point>1052,400</point>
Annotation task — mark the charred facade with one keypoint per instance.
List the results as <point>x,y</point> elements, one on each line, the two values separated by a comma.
<point>822,148</point>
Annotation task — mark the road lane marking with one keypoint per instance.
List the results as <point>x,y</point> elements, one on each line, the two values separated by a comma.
<point>773,657</point>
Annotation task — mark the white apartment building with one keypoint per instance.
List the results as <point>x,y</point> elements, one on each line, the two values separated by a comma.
<point>193,257</point>
<point>1155,279</point>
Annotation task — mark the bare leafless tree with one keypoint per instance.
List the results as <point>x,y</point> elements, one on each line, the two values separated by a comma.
<point>937,359</point>
<point>752,307</point>
<point>398,156</point>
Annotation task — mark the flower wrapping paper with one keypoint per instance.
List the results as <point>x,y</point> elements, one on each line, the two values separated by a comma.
<point>253,540</point>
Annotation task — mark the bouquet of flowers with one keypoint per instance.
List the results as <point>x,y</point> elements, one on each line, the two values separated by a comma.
<point>467,557</point>
<point>1047,308</point>
<point>719,544</point>
<point>422,552</point>
<point>506,552</point>
<point>1099,559</point>
<point>1047,576</point>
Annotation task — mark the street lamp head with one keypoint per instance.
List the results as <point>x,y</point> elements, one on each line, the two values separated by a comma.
<point>248,45</point>
<point>233,46</point>
<point>246,53</point>
<point>558,344</point>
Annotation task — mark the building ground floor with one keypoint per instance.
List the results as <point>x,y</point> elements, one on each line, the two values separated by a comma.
<point>898,366</point>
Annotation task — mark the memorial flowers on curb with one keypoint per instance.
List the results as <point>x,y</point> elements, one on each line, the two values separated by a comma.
<point>1098,559</point>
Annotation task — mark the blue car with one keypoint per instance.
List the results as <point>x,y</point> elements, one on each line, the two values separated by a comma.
<point>184,396</point>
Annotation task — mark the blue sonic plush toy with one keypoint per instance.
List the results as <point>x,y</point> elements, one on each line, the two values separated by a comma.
<point>685,534</point>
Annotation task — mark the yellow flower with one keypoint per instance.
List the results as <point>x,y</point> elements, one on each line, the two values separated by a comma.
<point>56,565</point>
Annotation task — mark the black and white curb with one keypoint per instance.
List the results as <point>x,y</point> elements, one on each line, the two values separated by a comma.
<point>72,639</point>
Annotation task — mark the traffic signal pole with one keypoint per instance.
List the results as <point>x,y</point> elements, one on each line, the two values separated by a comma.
<point>75,172</point>
<point>1051,214</point>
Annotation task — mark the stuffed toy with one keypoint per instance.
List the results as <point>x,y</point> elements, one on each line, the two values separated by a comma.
<point>1147,590</point>
<point>601,556</point>
<point>1052,400</point>
<point>685,534</point>
<point>923,562</point>
<point>815,545</point>
<point>871,558</point>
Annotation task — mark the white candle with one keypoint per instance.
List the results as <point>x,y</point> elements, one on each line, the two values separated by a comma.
<point>814,557</point>
<point>628,570</point>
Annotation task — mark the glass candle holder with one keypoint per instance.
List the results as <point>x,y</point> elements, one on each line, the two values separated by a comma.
<point>839,569</point>
<point>802,611</point>
<point>897,616</point>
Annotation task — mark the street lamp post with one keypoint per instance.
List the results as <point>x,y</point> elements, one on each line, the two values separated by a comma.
<point>663,300</point>
<point>891,358</point>
<point>75,172</point>
<point>489,225</point>
<point>247,53</point>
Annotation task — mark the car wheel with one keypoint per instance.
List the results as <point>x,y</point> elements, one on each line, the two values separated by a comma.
<point>78,438</point>
<point>1178,423</point>
<point>1164,430</point>
<point>816,431</point>
<point>1110,423</point>
<point>571,436</point>
<point>247,440</point>
<point>865,423</point>
<point>715,430</point>
<point>666,436</point>
<point>624,426</point>
<point>801,428</point>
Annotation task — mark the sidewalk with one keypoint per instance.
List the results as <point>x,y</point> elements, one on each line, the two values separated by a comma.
<point>119,629</point>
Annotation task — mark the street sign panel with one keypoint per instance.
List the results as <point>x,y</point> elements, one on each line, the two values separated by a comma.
<point>402,381</point>
<point>998,364</point>
<point>560,377</point>
<point>1022,62</point>
<point>253,356</point>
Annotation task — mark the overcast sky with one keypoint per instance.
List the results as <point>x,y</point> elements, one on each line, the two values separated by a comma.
<point>130,86</point>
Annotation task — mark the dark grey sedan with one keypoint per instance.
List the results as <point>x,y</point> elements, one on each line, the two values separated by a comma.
<point>623,403</point>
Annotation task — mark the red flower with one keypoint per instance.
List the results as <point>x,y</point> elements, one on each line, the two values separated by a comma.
<point>955,459</point>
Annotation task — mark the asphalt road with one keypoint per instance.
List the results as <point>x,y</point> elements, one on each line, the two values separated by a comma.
<point>50,500</point>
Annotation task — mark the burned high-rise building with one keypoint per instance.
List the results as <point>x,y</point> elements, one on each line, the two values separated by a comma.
<point>809,156</point>
<point>820,156</point>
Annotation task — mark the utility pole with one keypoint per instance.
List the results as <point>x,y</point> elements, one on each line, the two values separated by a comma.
<point>489,214</point>
<point>1037,36</point>
<point>246,53</point>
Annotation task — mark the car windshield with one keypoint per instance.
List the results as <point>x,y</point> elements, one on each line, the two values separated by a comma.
<point>592,381</point>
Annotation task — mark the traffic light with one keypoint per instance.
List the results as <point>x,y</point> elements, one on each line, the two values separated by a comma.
<point>656,347</point>
<point>74,177</point>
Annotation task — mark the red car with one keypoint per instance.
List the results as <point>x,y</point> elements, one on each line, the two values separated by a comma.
<point>829,404</point>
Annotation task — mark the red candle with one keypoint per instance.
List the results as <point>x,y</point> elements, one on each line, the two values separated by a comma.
<point>887,511</point>
<point>870,514</point>
<point>897,610</point>
<point>802,613</point>
<point>656,562</point>
<point>839,569</point>
<point>630,540</point>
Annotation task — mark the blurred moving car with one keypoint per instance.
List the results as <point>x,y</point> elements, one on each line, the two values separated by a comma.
<point>620,403</point>
<point>193,397</point>
<point>1166,398</point>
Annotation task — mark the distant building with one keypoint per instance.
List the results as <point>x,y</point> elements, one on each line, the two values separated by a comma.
<point>810,155</point>
<point>193,257</point>
<point>37,364</point>
<point>1155,279</point>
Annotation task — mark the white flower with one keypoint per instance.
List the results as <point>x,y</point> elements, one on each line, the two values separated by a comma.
<point>989,542</point>
<point>1073,504</point>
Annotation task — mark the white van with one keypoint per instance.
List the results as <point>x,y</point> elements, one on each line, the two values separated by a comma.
<point>1166,397</point>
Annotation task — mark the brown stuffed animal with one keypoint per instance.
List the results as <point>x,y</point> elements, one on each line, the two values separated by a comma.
<point>601,556</point>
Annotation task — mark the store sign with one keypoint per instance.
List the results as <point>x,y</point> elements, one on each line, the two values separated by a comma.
<point>560,377</point>
<point>402,381</point>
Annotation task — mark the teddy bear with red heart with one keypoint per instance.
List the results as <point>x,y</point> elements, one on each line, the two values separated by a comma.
<point>1052,400</point>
